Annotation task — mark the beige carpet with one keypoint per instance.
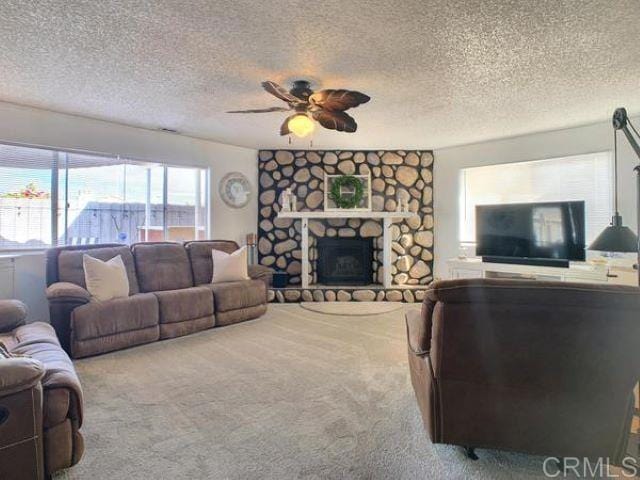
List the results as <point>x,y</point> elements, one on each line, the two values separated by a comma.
<point>295,394</point>
<point>353,309</point>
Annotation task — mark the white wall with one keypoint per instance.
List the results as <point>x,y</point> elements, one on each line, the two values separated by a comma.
<point>29,126</point>
<point>558,143</point>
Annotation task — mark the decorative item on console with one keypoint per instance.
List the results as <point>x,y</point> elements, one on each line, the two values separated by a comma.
<point>288,201</point>
<point>402,205</point>
<point>347,192</point>
<point>285,200</point>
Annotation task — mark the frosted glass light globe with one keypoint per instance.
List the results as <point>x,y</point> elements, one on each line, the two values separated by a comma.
<point>301,125</point>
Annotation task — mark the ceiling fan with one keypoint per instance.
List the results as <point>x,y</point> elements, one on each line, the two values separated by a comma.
<point>327,107</point>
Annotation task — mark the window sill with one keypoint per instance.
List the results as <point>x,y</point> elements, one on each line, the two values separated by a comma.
<point>5,254</point>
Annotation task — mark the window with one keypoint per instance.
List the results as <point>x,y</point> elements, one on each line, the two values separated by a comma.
<point>186,204</point>
<point>581,177</point>
<point>61,198</point>
<point>26,179</point>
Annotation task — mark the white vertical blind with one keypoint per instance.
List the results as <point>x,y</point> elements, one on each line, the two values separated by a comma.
<point>581,177</point>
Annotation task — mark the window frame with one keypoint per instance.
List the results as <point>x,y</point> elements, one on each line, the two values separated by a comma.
<point>56,192</point>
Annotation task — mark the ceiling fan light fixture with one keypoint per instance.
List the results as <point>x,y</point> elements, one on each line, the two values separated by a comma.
<point>301,125</point>
<point>326,107</point>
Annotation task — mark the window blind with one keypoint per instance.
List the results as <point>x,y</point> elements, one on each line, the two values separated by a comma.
<point>26,193</point>
<point>581,177</point>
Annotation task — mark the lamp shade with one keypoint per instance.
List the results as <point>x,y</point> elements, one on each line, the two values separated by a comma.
<point>616,238</point>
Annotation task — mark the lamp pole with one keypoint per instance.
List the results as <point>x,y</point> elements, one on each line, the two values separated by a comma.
<point>637,170</point>
<point>621,121</point>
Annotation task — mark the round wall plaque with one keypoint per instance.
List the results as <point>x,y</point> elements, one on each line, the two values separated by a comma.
<point>235,189</point>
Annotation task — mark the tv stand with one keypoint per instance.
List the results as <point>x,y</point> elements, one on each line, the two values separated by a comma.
<point>540,262</point>
<point>576,271</point>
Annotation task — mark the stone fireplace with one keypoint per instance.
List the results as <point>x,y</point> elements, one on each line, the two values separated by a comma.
<point>345,261</point>
<point>403,242</point>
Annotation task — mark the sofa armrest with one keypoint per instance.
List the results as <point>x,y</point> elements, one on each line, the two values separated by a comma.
<point>260,272</point>
<point>64,298</point>
<point>419,323</point>
<point>19,373</point>
<point>65,292</point>
<point>257,271</point>
<point>12,314</point>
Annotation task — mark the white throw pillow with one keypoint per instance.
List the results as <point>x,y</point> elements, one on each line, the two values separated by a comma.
<point>229,267</point>
<point>105,280</point>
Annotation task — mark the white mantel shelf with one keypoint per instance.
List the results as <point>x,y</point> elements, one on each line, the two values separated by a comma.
<point>346,214</point>
<point>386,217</point>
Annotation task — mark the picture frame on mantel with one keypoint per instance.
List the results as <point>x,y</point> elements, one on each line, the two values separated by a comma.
<point>364,205</point>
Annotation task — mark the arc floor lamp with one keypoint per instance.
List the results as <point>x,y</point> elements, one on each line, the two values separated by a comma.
<point>616,237</point>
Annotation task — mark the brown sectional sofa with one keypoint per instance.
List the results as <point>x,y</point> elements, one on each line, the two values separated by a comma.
<point>546,368</point>
<point>40,400</point>
<point>170,295</point>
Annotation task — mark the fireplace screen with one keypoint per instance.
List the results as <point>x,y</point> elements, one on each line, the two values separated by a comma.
<point>345,261</point>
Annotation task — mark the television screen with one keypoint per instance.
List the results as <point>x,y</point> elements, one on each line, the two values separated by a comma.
<point>531,230</point>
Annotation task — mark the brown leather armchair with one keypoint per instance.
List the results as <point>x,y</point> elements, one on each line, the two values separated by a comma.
<point>545,368</point>
<point>40,399</point>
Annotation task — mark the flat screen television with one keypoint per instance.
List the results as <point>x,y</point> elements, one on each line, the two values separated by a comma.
<point>531,233</point>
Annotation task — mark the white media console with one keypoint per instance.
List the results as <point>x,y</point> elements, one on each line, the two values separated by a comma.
<point>577,272</point>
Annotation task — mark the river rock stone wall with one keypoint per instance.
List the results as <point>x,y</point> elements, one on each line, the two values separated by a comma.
<point>395,175</point>
<point>295,295</point>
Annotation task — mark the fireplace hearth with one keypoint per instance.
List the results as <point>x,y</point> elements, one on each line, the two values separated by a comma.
<point>345,261</point>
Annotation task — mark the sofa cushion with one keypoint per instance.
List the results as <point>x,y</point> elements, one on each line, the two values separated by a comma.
<point>162,266</point>
<point>201,260</point>
<point>32,333</point>
<point>101,319</point>
<point>185,304</point>
<point>70,267</point>
<point>234,295</point>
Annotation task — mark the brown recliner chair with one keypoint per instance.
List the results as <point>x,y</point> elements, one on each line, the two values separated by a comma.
<point>545,368</point>
<point>40,399</point>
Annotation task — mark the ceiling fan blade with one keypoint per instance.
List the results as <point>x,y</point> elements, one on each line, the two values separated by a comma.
<point>338,100</point>
<point>283,94</point>
<point>339,121</point>
<point>262,110</point>
<point>284,128</point>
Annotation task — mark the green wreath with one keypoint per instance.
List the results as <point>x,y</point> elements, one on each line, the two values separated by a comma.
<point>352,201</point>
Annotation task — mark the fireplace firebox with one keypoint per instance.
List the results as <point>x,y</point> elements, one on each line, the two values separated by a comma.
<point>345,261</point>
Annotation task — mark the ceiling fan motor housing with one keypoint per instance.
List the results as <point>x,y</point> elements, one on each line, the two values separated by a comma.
<point>301,89</point>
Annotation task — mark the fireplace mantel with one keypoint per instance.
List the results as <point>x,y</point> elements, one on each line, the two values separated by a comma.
<point>387,220</point>
<point>346,214</point>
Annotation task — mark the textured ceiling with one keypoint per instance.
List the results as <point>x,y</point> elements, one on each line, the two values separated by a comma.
<point>440,72</point>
